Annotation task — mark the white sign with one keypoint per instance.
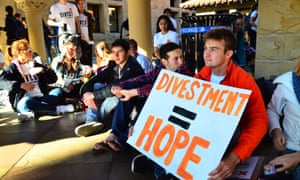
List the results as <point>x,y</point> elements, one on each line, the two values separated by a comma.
<point>186,124</point>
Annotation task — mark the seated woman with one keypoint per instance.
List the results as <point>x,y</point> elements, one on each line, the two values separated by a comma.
<point>285,102</point>
<point>103,54</point>
<point>70,72</point>
<point>29,92</point>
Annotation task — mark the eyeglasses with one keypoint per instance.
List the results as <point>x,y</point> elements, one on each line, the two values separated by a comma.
<point>26,50</point>
<point>72,48</point>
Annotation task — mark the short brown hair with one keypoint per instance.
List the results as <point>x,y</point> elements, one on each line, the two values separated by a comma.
<point>222,34</point>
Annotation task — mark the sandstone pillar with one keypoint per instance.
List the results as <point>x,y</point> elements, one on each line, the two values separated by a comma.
<point>278,37</point>
<point>139,16</point>
<point>33,10</point>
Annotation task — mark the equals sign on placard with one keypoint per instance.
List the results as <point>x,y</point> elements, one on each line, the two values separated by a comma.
<point>183,112</point>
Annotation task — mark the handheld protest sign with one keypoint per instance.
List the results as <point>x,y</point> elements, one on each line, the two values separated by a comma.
<point>186,124</point>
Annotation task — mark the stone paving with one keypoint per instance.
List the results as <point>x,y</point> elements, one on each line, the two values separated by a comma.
<point>49,149</point>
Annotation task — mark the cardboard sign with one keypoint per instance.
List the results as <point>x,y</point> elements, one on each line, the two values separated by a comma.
<point>186,124</point>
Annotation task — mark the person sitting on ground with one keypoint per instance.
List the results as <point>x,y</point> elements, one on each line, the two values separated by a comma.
<point>69,70</point>
<point>219,46</point>
<point>138,88</point>
<point>103,54</point>
<point>100,100</point>
<point>142,59</point>
<point>284,120</point>
<point>29,93</point>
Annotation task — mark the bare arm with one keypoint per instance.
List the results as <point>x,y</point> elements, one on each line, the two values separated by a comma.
<point>278,139</point>
<point>156,52</point>
<point>286,162</point>
<point>52,22</point>
<point>77,25</point>
<point>225,168</point>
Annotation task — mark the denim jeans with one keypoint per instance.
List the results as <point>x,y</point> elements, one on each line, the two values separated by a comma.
<point>104,107</point>
<point>123,117</point>
<point>41,105</point>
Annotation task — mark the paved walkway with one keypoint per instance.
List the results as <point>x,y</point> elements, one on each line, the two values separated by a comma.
<point>49,149</point>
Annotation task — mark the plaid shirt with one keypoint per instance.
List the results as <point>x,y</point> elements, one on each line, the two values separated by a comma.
<point>144,83</point>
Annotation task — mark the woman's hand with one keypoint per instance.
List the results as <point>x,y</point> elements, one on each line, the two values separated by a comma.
<point>27,86</point>
<point>286,162</point>
<point>278,139</point>
<point>225,167</point>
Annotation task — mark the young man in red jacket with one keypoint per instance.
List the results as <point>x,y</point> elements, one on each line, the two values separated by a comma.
<point>219,68</point>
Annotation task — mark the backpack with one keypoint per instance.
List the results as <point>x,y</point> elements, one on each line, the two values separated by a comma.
<point>246,23</point>
<point>266,88</point>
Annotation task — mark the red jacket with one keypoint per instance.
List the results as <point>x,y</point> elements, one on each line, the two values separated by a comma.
<point>254,122</point>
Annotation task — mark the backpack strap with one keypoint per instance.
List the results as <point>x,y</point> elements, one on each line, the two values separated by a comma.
<point>296,85</point>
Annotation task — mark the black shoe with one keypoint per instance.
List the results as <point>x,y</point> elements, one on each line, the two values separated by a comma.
<point>168,177</point>
<point>141,164</point>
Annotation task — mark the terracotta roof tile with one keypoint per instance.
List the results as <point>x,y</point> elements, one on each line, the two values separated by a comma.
<point>202,3</point>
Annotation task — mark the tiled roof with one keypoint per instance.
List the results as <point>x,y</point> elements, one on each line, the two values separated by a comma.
<point>204,3</point>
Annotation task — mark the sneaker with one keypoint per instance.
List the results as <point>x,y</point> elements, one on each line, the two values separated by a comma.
<point>62,109</point>
<point>141,164</point>
<point>89,128</point>
<point>25,116</point>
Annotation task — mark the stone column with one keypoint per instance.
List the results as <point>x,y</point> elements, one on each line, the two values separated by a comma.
<point>33,10</point>
<point>139,16</point>
<point>278,37</point>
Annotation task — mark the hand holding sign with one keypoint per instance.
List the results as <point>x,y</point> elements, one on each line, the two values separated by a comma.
<point>190,133</point>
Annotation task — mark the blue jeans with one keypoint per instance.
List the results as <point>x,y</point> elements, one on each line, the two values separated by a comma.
<point>104,107</point>
<point>122,117</point>
<point>41,105</point>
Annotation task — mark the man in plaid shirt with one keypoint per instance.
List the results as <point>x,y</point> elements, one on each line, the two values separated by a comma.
<point>138,87</point>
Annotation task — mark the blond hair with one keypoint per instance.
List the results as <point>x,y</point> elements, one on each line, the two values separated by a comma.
<point>19,45</point>
<point>297,67</point>
<point>102,46</point>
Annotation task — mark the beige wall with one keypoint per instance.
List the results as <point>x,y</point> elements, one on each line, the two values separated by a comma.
<point>278,39</point>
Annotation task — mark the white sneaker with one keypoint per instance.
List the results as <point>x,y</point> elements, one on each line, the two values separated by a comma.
<point>62,109</point>
<point>89,128</point>
<point>25,116</point>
